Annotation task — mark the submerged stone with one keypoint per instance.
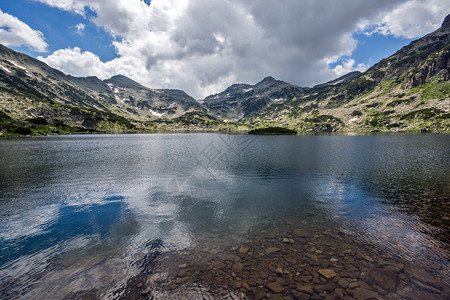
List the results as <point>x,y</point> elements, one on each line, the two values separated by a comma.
<point>363,294</point>
<point>272,249</point>
<point>275,287</point>
<point>327,273</point>
<point>308,289</point>
<point>243,250</point>
<point>386,278</point>
<point>237,268</point>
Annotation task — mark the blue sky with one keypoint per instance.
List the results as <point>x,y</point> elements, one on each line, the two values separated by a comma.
<point>372,49</point>
<point>203,46</point>
<point>59,29</point>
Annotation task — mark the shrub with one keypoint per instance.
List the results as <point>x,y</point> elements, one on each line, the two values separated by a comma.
<point>4,116</point>
<point>58,122</point>
<point>426,113</point>
<point>356,113</point>
<point>360,85</point>
<point>17,129</point>
<point>323,118</point>
<point>272,130</point>
<point>372,105</point>
<point>38,121</point>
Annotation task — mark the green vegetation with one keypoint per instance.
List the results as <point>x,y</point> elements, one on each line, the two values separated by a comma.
<point>433,90</point>
<point>86,120</point>
<point>296,111</point>
<point>356,113</point>
<point>324,119</point>
<point>38,121</point>
<point>92,116</point>
<point>361,96</point>
<point>386,87</point>
<point>9,127</point>
<point>14,129</point>
<point>272,130</point>
<point>337,101</point>
<point>38,127</point>
<point>58,123</point>
<point>359,86</point>
<point>310,107</point>
<point>16,86</point>
<point>400,101</point>
<point>322,123</point>
<point>424,114</point>
<point>378,121</point>
<point>373,105</point>
<point>377,75</point>
<point>388,112</point>
<point>196,118</point>
<point>355,89</point>
<point>386,84</point>
<point>4,116</point>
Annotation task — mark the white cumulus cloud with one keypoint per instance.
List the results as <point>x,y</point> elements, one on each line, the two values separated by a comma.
<point>75,62</point>
<point>202,46</point>
<point>69,5</point>
<point>349,65</point>
<point>411,19</point>
<point>80,63</point>
<point>14,32</point>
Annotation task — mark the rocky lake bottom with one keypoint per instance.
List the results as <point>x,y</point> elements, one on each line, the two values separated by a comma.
<point>308,260</point>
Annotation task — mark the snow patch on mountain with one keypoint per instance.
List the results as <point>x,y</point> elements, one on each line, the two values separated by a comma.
<point>16,65</point>
<point>5,69</point>
<point>156,114</point>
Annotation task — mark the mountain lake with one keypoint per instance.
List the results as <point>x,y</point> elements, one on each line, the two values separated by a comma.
<point>209,215</point>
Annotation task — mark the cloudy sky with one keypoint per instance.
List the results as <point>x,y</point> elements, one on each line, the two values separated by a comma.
<point>203,46</point>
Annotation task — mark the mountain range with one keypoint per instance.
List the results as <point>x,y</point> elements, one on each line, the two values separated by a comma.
<point>408,91</point>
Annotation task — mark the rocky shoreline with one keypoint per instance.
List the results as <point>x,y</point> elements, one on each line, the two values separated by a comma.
<point>297,262</point>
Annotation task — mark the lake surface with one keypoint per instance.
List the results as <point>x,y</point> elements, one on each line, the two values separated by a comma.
<point>218,215</point>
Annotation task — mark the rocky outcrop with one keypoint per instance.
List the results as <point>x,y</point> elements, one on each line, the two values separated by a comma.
<point>437,65</point>
<point>446,23</point>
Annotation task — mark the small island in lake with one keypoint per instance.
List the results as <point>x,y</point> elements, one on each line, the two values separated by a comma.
<point>272,130</point>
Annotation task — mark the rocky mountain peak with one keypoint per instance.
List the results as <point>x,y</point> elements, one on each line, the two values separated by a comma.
<point>124,82</point>
<point>269,79</point>
<point>446,23</point>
